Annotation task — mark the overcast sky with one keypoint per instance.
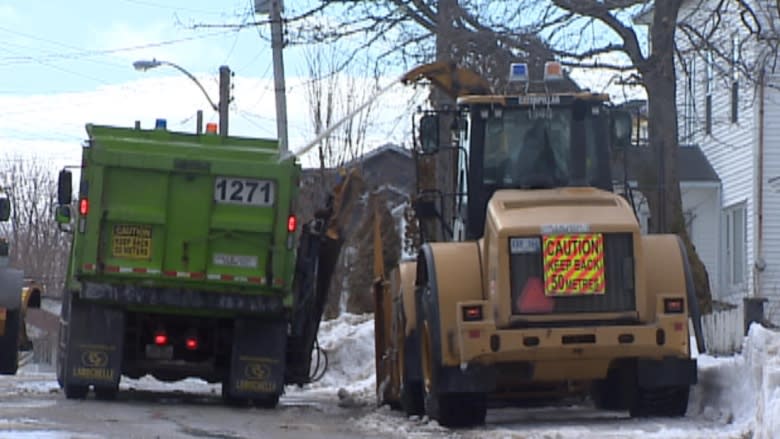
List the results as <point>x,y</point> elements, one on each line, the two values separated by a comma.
<point>67,63</point>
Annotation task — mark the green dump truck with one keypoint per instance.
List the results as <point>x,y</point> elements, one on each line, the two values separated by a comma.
<point>186,261</point>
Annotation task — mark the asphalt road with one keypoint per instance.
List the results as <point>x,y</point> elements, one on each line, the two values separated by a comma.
<point>31,406</point>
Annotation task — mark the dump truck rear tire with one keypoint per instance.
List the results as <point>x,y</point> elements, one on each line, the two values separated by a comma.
<point>73,391</point>
<point>9,343</point>
<point>267,402</point>
<point>106,393</point>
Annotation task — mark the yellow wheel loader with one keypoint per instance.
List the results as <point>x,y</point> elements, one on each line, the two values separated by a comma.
<point>15,297</point>
<point>542,285</point>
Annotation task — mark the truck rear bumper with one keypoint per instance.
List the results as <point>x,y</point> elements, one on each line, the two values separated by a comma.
<point>580,353</point>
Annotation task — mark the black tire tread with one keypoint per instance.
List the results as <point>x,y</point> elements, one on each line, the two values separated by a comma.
<point>665,401</point>
<point>9,343</point>
<point>73,391</point>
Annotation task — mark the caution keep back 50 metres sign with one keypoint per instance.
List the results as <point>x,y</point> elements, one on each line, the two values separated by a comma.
<point>574,264</point>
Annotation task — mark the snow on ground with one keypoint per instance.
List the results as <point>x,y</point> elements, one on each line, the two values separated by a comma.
<point>737,397</point>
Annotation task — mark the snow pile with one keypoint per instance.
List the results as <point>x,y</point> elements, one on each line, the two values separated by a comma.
<point>762,357</point>
<point>349,343</point>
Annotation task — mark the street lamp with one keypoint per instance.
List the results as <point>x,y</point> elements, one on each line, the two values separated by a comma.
<point>224,86</point>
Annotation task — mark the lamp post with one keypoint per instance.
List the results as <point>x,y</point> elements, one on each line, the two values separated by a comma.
<point>224,87</point>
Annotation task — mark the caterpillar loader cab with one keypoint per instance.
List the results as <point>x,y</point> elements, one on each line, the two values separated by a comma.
<point>543,284</point>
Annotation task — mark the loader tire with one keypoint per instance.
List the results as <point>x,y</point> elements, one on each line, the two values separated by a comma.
<point>610,393</point>
<point>411,393</point>
<point>450,409</point>
<point>9,343</point>
<point>665,401</point>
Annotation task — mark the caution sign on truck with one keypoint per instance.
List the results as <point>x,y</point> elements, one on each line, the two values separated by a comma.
<point>574,264</point>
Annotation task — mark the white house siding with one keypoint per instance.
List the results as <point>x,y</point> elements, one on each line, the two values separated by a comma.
<point>769,279</point>
<point>701,203</point>
<point>730,147</point>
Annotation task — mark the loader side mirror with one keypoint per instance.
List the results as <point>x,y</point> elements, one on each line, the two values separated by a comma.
<point>5,209</point>
<point>62,214</point>
<point>621,124</point>
<point>429,134</point>
<point>64,187</point>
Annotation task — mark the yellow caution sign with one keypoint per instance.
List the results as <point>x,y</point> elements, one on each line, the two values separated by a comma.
<point>574,264</point>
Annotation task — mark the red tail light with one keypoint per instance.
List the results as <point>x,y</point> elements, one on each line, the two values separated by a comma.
<point>84,206</point>
<point>292,223</point>
<point>674,306</point>
<point>472,313</point>
<point>160,339</point>
<point>191,343</point>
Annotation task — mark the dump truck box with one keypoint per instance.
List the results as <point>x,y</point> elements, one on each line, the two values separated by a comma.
<point>159,208</point>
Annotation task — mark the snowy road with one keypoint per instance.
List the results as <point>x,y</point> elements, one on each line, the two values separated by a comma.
<point>31,406</point>
<point>737,398</point>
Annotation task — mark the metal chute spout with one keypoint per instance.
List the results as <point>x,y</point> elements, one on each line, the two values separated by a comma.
<point>318,252</point>
<point>316,261</point>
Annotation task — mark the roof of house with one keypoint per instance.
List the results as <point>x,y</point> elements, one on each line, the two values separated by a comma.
<point>692,164</point>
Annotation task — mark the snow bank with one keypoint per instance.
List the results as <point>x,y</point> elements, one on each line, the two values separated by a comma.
<point>349,343</point>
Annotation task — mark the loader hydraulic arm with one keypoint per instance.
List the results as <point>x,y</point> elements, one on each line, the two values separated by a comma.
<point>449,78</point>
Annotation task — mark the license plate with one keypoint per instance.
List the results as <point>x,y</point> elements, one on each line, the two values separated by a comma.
<point>131,241</point>
<point>241,261</point>
<point>155,352</point>
<point>244,191</point>
<point>574,264</point>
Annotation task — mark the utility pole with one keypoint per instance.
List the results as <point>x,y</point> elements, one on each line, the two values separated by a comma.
<point>224,99</point>
<point>274,10</point>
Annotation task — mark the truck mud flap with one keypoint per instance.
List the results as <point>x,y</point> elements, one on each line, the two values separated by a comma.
<point>258,359</point>
<point>94,345</point>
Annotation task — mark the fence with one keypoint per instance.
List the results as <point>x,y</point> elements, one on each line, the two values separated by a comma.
<point>724,330</point>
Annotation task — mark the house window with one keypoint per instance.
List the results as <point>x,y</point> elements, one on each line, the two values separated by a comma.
<point>734,79</point>
<point>689,105</point>
<point>708,93</point>
<point>735,245</point>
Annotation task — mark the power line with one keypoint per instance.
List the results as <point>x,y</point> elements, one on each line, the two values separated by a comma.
<point>100,52</point>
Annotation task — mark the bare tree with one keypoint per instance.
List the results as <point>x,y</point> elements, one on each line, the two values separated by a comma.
<point>37,246</point>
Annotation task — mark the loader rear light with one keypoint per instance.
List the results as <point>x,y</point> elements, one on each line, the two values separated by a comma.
<point>674,306</point>
<point>84,206</point>
<point>472,313</point>
<point>191,343</point>
<point>292,223</point>
<point>160,338</point>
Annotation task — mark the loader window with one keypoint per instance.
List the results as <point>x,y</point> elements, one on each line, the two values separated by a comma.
<point>532,149</point>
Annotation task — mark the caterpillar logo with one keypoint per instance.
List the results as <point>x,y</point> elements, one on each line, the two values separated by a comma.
<point>94,359</point>
<point>257,371</point>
